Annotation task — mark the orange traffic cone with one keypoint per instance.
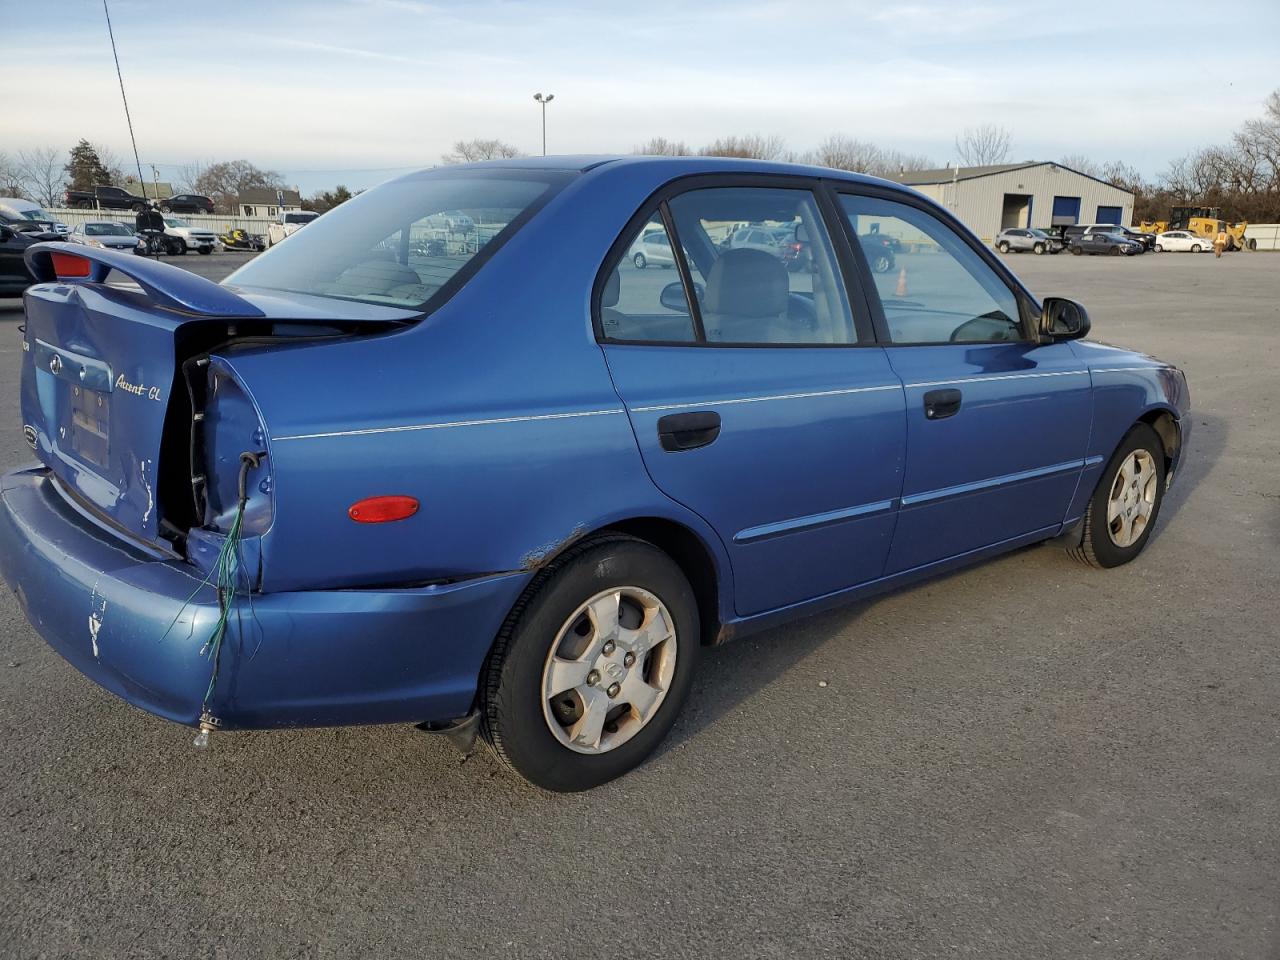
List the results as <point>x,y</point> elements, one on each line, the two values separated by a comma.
<point>902,283</point>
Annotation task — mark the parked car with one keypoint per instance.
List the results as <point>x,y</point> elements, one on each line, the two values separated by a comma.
<point>17,212</point>
<point>879,249</point>
<point>287,224</point>
<point>1182,241</point>
<point>201,239</point>
<point>760,237</point>
<point>1111,243</point>
<point>515,493</point>
<point>105,198</point>
<point>15,275</point>
<point>1147,240</point>
<point>652,249</point>
<point>1018,240</point>
<point>106,234</point>
<point>187,203</point>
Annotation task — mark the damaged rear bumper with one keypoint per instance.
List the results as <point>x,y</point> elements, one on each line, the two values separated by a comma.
<point>135,625</point>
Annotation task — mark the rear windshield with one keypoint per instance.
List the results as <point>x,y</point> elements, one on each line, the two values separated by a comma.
<point>393,244</point>
<point>300,217</point>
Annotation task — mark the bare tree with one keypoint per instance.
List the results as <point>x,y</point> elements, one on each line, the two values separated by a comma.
<point>755,145</point>
<point>983,145</point>
<point>480,148</point>
<point>224,182</point>
<point>10,178</point>
<point>42,175</point>
<point>662,147</point>
<point>847,153</point>
<point>1080,164</point>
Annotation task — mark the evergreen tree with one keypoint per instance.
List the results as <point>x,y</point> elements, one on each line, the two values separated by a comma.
<point>85,169</point>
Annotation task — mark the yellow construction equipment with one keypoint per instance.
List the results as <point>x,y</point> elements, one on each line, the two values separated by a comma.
<point>1204,222</point>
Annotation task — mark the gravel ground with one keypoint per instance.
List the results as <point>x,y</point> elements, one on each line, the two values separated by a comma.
<point>1027,759</point>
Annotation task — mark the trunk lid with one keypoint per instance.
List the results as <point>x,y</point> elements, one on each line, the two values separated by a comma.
<point>96,383</point>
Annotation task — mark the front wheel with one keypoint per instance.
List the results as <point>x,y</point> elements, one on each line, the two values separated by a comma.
<point>882,263</point>
<point>640,261</point>
<point>165,208</point>
<point>1114,252</point>
<point>591,668</point>
<point>1076,251</point>
<point>1196,248</point>
<point>1125,504</point>
<point>1158,248</point>
<point>1038,249</point>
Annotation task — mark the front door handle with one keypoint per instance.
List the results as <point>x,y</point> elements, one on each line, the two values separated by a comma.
<point>688,431</point>
<point>940,404</point>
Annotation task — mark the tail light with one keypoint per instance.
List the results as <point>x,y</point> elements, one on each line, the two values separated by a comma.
<point>67,266</point>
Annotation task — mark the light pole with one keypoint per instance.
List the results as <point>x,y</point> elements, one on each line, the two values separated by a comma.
<point>544,101</point>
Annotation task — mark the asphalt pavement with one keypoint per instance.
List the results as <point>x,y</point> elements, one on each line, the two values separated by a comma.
<point>1027,759</point>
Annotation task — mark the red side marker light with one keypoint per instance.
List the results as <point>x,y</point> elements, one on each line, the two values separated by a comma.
<point>382,509</point>
<point>68,265</point>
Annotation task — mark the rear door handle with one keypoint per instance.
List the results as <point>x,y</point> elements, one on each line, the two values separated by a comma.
<point>688,431</point>
<point>940,404</point>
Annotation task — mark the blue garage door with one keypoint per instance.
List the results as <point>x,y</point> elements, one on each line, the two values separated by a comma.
<point>1108,215</point>
<point>1066,211</point>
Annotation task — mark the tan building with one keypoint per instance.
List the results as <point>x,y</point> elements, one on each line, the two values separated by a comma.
<point>1034,194</point>
<point>267,202</point>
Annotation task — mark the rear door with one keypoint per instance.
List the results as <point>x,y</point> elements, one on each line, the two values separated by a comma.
<point>758,399</point>
<point>997,423</point>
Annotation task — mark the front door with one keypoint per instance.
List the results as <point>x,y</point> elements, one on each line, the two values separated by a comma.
<point>759,402</point>
<point>997,423</point>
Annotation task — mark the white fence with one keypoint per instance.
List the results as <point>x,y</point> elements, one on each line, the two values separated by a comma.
<point>1265,235</point>
<point>218,224</point>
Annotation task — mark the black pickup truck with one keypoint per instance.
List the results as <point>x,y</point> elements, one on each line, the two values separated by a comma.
<point>106,198</point>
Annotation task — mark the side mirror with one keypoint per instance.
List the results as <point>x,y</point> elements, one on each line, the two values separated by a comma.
<point>802,233</point>
<point>673,298</point>
<point>1062,319</point>
<point>5,232</point>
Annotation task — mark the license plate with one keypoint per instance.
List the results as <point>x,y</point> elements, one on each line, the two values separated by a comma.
<point>90,425</point>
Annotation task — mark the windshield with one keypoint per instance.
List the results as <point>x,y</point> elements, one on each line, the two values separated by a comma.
<point>175,222</point>
<point>388,245</point>
<point>35,214</point>
<point>300,217</point>
<point>107,230</point>
<point>1038,233</point>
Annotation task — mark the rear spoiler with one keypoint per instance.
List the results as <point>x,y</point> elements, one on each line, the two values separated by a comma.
<point>167,285</point>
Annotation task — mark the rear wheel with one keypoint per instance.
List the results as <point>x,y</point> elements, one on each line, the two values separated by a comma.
<point>1158,248</point>
<point>881,263</point>
<point>1038,249</point>
<point>1126,502</point>
<point>591,668</point>
<point>1114,252</point>
<point>1003,246</point>
<point>1076,251</point>
<point>640,261</point>
<point>165,208</point>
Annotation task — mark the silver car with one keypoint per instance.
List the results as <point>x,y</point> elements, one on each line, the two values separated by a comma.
<point>105,233</point>
<point>1020,239</point>
<point>653,249</point>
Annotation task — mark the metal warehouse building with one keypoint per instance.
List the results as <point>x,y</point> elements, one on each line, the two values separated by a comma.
<point>990,199</point>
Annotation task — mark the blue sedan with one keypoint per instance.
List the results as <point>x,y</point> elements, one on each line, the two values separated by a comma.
<point>506,482</point>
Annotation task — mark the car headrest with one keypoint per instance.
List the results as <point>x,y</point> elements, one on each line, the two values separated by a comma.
<point>612,286</point>
<point>747,283</point>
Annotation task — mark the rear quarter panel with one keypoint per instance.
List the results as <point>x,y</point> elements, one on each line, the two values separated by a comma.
<point>497,412</point>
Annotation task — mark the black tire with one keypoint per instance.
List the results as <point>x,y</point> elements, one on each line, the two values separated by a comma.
<point>1158,248</point>
<point>84,204</point>
<point>1076,251</point>
<point>1003,246</point>
<point>1096,547</point>
<point>1195,248</point>
<point>138,207</point>
<point>640,261</point>
<point>205,250</point>
<point>511,706</point>
<point>1038,249</point>
<point>881,263</point>
<point>165,208</point>
<point>181,247</point>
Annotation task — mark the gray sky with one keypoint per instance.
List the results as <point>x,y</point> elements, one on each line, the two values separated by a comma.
<point>353,91</point>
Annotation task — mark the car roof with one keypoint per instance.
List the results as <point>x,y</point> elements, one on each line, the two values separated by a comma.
<point>669,167</point>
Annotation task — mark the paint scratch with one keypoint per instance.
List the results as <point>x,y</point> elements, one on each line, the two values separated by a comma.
<point>151,500</point>
<point>97,611</point>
